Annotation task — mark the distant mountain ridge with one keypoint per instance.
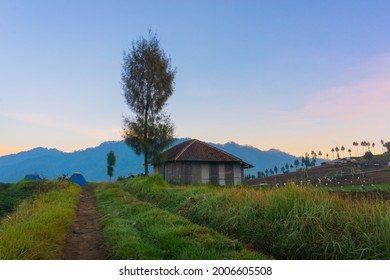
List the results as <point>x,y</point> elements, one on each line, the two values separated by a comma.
<point>92,162</point>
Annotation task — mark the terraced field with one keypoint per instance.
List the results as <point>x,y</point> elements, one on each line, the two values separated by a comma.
<point>145,218</point>
<point>287,223</point>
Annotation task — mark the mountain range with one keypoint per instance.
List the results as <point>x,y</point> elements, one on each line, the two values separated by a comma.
<point>92,162</point>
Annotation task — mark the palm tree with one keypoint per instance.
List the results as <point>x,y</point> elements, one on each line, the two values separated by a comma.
<point>363,144</point>
<point>342,149</point>
<point>337,151</point>
<point>373,146</point>
<point>383,145</point>
<point>327,156</point>
<point>357,149</point>
<point>332,152</point>
<point>349,151</point>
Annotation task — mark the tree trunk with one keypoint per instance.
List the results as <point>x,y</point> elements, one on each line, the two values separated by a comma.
<point>146,150</point>
<point>146,163</point>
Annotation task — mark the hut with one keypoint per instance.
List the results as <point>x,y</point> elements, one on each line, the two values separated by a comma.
<point>195,162</point>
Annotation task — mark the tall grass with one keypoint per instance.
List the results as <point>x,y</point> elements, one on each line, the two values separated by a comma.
<point>10,198</point>
<point>288,223</point>
<point>11,195</point>
<point>138,230</point>
<point>37,229</point>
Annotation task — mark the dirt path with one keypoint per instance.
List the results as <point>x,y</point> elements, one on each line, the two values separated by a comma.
<point>84,241</point>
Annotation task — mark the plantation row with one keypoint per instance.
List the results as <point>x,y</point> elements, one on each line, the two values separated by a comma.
<point>288,223</point>
<point>147,219</point>
<point>132,229</point>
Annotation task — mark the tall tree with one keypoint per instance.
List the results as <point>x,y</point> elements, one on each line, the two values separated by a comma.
<point>111,159</point>
<point>148,81</point>
<point>357,149</point>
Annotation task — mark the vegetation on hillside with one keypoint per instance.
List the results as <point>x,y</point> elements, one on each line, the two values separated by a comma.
<point>288,223</point>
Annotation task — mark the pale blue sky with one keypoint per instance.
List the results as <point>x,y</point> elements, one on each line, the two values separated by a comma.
<point>292,75</point>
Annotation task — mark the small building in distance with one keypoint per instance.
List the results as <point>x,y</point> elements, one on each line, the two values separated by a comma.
<point>195,162</point>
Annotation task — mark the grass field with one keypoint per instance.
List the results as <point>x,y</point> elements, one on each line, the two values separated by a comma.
<point>287,223</point>
<point>11,195</point>
<point>148,219</point>
<point>379,187</point>
<point>38,227</point>
<point>133,229</point>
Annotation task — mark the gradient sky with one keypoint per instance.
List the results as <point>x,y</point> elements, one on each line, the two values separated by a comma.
<point>292,75</point>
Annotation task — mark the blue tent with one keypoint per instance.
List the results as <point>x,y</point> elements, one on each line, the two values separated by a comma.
<point>77,178</point>
<point>35,177</point>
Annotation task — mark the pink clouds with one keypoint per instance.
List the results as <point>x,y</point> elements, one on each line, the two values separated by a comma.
<point>369,98</point>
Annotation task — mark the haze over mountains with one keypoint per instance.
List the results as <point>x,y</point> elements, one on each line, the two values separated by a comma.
<point>92,162</point>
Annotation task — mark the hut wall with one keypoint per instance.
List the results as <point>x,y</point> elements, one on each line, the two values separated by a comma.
<point>214,173</point>
<point>205,173</point>
<point>238,174</point>
<point>221,174</point>
<point>229,174</point>
<point>195,173</point>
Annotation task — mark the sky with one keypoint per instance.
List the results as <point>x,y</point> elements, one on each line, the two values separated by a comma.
<point>290,75</point>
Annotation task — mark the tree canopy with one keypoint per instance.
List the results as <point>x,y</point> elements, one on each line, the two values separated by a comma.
<point>111,159</point>
<point>148,82</point>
